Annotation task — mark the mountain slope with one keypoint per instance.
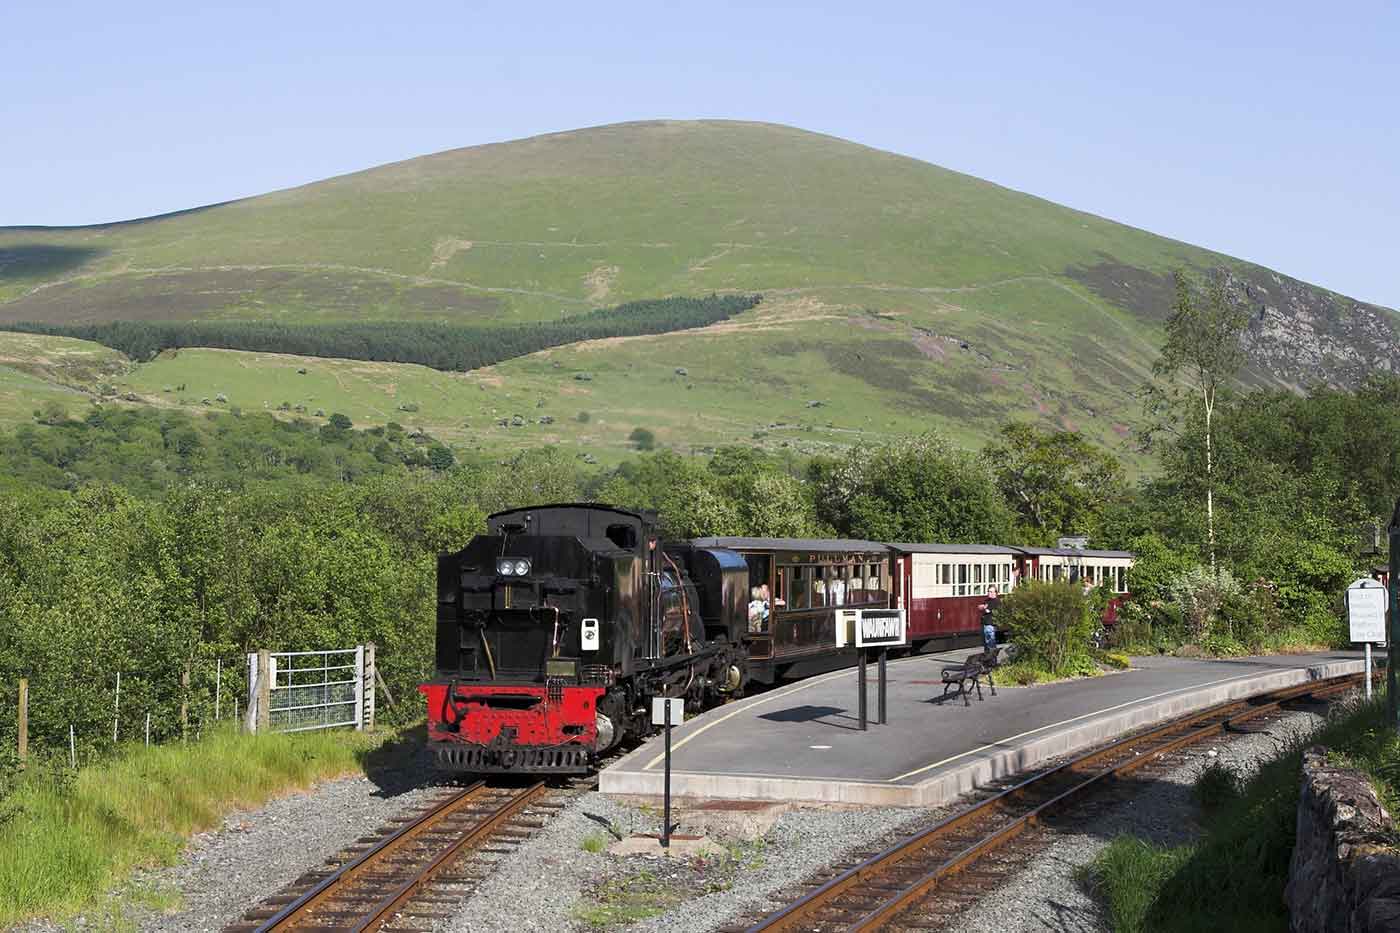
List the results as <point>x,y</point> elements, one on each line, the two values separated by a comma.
<point>911,294</point>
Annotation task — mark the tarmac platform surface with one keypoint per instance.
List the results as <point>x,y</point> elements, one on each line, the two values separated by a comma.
<point>801,742</point>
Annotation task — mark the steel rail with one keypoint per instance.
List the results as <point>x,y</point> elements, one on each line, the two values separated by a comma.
<point>327,889</point>
<point>1199,725</point>
<point>395,900</point>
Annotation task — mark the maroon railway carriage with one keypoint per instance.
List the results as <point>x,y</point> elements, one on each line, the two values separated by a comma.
<point>942,588</point>
<point>807,580</point>
<point>1081,564</point>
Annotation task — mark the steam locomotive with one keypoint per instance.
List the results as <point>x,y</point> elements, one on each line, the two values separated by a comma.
<point>557,627</point>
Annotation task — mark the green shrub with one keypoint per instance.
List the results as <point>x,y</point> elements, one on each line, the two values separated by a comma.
<point>1217,786</point>
<point>1052,624</point>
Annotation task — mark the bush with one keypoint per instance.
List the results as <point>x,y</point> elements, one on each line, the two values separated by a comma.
<point>1052,624</point>
<point>642,439</point>
<point>1218,786</point>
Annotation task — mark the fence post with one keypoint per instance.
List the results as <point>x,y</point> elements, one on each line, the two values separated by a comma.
<point>218,688</point>
<point>368,681</point>
<point>23,720</point>
<point>250,712</point>
<point>117,708</point>
<point>185,703</point>
<point>265,675</point>
<point>359,686</point>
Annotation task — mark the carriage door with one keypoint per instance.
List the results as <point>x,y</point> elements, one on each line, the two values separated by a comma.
<point>900,583</point>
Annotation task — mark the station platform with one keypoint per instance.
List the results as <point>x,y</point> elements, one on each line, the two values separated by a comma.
<point>801,742</point>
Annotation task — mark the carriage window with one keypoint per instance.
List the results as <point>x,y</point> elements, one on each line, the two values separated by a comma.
<point>624,536</point>
<point>800,594</point>
<point>874,586</point>
<point>962,580</point>
<point>759,565</point>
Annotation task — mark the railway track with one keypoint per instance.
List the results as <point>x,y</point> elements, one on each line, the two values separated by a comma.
<point>957,856</point>
<point>392,880</point>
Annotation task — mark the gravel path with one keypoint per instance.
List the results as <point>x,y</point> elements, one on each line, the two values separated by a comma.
<point>1047,896</point>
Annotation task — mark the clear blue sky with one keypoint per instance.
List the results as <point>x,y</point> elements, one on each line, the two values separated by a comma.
<point>1270,131</point>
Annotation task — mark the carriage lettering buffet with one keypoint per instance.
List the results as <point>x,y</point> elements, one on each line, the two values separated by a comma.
<point>557,627</point>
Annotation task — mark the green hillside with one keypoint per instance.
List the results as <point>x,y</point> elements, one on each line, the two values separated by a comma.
<point>897,295</point>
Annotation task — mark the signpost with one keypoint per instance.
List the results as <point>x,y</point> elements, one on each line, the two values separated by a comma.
<point>667,712</point>
<point>1366,601</point>
<point>1393,643</point>
<point>873,628</point>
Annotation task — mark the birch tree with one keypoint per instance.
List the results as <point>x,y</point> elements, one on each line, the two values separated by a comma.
<point>1203,351</point>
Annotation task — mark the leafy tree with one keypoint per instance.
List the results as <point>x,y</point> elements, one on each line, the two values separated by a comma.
<point>340,422</point>
<point>642,439</point>
<point>440,457</point>
<point>920,489</point>
<point>1057,482</point>
<point>1203,343</point>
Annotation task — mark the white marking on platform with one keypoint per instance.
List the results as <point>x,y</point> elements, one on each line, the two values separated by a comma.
<point>1065,722</point>
<point>743,706</point>
<point>818,746</point>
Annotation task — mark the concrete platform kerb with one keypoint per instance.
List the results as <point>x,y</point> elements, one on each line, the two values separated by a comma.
<point>940,782</point>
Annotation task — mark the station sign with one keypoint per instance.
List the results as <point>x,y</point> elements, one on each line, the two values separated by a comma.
<point>659,708</point>
<point>1366,602</point>
<point>881,628</point>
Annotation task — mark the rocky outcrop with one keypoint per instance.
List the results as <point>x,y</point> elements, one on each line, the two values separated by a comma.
<point>1298,335</point>
<point>1345,877</point>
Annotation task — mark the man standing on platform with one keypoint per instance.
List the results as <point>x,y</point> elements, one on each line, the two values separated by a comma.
<point>989,609</point>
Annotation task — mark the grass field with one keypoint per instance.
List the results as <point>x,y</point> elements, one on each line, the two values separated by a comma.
<point>67,839</point>
<point>796,374</point>
<point>571,220</point>
<point>899,295</point>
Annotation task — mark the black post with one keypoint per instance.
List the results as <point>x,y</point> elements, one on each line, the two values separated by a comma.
<point>1393,629</point>
<point>666,804</point>
<point>884,656</point>
<point>860,685</point>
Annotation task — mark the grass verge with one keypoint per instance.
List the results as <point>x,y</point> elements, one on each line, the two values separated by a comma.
<point>1233,877</point>
<point>67,839</point>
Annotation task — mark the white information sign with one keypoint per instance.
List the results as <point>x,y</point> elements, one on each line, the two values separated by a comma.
<point>658,710</point>
<point>880,628</point>
<point>1366,600</point>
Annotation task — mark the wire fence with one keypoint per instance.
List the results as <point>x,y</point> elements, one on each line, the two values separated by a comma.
<point>45,716</point>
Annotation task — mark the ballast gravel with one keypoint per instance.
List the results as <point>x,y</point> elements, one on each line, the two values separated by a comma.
<point>256,853</point>
<point>546,883</point>
<point>1048,893</point>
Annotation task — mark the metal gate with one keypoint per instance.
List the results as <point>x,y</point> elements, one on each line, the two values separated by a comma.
<point>304,690</point>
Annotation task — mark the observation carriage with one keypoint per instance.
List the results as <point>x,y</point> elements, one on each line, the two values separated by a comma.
<point>558,626</point>
<point>806,581</point>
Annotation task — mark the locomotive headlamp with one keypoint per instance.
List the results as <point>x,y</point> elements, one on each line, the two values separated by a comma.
<point>512,567</point>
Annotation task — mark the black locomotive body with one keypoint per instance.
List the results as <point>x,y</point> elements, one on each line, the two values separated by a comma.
<point>557,627</point>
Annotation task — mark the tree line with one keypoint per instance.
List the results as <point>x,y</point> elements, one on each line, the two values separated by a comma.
<point>439,345</point>
<point>163,543</point>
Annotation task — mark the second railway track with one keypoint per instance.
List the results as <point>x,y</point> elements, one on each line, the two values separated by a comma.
<point>388,881</point>
<point>880,891</point>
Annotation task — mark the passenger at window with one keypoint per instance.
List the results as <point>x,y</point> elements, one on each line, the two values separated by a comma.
<point>758,611</point>
<point>768,600</point>
<point>819,592</point>
<point>836,589</point>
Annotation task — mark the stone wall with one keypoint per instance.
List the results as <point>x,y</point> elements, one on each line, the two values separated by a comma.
<point>1345,876</point>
